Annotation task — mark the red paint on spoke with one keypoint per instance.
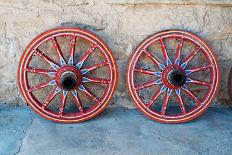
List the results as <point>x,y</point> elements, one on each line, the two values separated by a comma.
<point>78,103</point>
<point>50,98</point>
<point>45,57</point>
<point>165,103</point>
<point>87,54</point>
<point>179,48</point>
<point>201,83</point>
<point>72,48</point>
<point>90,94</point>
<point>96,66</point>
<point>144,71</point>
<point>42,85</point>
<point>181,103</point>
<point>164,51</point>
<point>158,93</point>
<point>98,80</point>
<point>145,85</point>
<point>62,103</point>
<point>200,68</point>
<point>190,94</point>
<point>39,71</point>
<point>149,55</point>
<point>194,52</point>
<point>57,48</point>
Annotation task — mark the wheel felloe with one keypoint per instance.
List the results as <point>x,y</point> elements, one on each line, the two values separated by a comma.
<point>175,80</point>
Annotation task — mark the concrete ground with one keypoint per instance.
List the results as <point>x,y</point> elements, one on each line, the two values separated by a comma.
<point>116,131</point>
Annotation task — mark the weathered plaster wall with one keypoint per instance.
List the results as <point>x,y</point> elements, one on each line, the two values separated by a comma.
<point>121,23</point>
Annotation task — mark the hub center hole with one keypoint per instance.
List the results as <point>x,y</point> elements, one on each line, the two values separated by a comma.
<point>69,83</point>
<point>178,78</point>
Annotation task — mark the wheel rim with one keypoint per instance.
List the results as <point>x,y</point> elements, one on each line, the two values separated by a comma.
<point>230,84</point>
<point>68,79</point>
<point>172,80</point>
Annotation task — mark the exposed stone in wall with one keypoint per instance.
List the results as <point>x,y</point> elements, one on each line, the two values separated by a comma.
<point>121,23</point>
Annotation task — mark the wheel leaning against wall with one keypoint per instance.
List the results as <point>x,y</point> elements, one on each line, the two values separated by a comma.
<point>67,75</point>
<point>173,76</point>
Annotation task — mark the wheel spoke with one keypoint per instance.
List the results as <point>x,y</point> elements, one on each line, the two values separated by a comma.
<point>72,50</point>
<point>184,87</point>
<point>149,84</point>
<point>95,80</point>
<point>63,102</point>
<point>165,102</point>
<point>42,85</point>
<point>194,52</point>
<point>181,103</point>
<point>52,63</point>
<point>196,69</point>
<point>58,51</point>
<point>78,101</point>
<point>188,80</point>
<point>153,59</point>
<point>164,51</point>
<point>149,72</point>
<point>41,71</point>
<point>157,94</point>
<point>89,93</point>
<point>178,50</point>
<point>86,55</point>
<point>50,97</point>
<point>93,67</point>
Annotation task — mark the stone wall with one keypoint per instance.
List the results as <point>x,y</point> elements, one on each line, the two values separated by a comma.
<point>121,23</point>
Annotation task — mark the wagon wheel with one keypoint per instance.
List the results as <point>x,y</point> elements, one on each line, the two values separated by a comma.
<point>230,84</point>
<point>173,76</point>
<point>67,75</point>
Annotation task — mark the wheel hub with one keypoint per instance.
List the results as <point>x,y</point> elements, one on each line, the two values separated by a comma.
<point>68,78</point>
<point>174,76</point>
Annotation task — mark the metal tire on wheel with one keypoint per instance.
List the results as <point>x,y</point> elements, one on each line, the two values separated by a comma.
<point>230,84</point>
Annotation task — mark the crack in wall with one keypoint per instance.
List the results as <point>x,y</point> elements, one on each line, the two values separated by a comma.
<point>5,30</point>
<point>84,26</point>
<point>73,4</point>
<point>61,16</point>
<point>76,5</point>
<point>204,17</point>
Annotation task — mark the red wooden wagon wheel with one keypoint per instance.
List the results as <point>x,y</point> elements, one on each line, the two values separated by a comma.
<point>173,76</point>
<point>67,75</point>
